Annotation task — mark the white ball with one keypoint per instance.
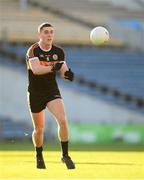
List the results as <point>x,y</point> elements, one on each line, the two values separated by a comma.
<point>99,35</point>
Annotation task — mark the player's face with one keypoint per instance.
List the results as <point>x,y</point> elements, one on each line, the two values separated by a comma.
<point>46,35</point>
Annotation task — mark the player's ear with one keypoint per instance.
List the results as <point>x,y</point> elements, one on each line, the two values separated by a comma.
<point>39,35</point>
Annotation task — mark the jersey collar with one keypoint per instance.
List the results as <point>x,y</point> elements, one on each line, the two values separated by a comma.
<point>42,48</point>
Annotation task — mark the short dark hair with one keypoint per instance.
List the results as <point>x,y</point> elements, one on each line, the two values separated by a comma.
<point>45,24</point>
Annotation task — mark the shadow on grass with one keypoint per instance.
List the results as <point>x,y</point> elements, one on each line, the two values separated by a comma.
<point>92,163</point>
<point>108,163</point>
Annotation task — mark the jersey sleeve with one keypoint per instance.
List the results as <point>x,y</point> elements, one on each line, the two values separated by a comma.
<point>62,55</point>
<point>31,54</point>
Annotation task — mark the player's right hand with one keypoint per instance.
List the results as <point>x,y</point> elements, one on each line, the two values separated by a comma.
<point>57,66</point>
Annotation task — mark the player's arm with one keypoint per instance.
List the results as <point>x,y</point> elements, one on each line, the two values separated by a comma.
<point>39,69</point>
<point>66,72</point>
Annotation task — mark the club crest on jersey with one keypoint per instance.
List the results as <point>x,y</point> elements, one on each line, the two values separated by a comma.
<point>55,57</point>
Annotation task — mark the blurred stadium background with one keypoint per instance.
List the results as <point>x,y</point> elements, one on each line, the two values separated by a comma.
<point>105,104</point>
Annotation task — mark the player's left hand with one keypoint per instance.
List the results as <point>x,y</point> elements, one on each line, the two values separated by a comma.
<point>69,75</point>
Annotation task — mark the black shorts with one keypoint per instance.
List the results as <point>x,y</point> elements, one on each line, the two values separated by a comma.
<point>38,101</point>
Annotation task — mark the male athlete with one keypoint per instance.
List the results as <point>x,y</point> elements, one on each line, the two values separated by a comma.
<point>43,61</point>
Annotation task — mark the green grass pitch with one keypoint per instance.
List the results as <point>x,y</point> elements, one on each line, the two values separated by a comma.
<point>93,162</point>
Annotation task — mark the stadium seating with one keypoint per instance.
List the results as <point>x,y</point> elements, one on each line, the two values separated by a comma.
<point>11,130</point>
<point>72,19</point>
<point>21,26</point>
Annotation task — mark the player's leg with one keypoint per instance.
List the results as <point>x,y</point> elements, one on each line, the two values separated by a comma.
<point>38,128</point>
<point>56,107</point>
<point>37,104</point>
<point>37,137</point>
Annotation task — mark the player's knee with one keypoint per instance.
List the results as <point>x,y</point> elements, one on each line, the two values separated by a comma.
<point>62,121</point>
<point>39,130</point>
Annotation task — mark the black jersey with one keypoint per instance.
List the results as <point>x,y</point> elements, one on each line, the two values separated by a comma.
<point>46,82</point>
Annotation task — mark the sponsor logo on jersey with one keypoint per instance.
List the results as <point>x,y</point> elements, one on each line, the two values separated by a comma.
<point>47,58</point>
<point>55,57</point>
<point>41,55</point>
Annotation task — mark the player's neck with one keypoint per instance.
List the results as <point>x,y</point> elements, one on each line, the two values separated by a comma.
<point>45,47</point>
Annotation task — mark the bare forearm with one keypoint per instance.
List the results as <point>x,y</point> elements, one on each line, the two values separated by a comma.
<point>39,70</point>
<point>63,69</point>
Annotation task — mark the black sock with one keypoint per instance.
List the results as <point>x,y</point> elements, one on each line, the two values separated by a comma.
<point>39,151</point>
<point>64,146</point>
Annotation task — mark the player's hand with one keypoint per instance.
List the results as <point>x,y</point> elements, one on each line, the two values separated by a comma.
<point>69,75</point>
<point>57,66</point>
